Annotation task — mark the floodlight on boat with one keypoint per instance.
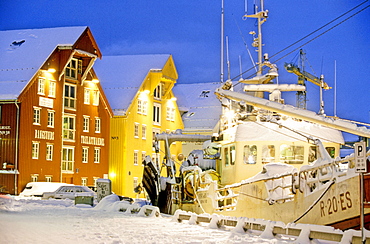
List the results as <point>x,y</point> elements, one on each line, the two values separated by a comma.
<point>96,81</point>
<point>174,99</point>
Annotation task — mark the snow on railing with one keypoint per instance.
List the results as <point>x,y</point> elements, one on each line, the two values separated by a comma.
<point>301,233</point>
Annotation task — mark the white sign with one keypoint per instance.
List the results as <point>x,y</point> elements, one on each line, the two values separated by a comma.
<point>360,157</point>
<point>46,102</point>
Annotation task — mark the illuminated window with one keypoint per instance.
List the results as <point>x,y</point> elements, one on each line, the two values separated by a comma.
<point>143,132</point>
<point>51,115</point>
<point>136,130</point>
<point>35,149</point>
<point>170,115</point>
<point>142,107</point>
<point>49,152</point>
<point>96,98</point>
<point>41,86</point>
<point>136,154</point>
<point>85,154</point>
<point>69,96</point>
<point>291,154</point>
<point>84,181</point>
<point>268,154</point>
<point>250,154</point>
<point>67,159</point>
<point>97,125</point>
<point>34,177</point>
<point>87,96</point>
<point>86,124</point>
<point>143,155</point>
<point>69,127</point>
<point>36,115</point>
<point>96,155</point>
<point>52,88</point>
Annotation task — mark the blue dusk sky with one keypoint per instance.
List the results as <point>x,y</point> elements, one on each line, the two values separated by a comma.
<point>190,31</point>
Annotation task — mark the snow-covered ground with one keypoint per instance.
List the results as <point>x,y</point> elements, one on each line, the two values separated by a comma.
<point>61,221</point>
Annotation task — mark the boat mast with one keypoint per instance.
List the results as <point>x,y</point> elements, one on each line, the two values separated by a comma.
<point>222,41</point>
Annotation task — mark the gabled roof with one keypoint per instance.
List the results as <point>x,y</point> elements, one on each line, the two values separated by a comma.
<point>122,76</point>
<point>23,52</point>
<point>199,104</point>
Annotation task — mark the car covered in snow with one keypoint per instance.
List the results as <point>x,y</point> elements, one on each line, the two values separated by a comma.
<point>69,192</point>
<point>36,189</point>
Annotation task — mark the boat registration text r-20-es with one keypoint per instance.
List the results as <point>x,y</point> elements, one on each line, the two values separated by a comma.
<point>336,204</point>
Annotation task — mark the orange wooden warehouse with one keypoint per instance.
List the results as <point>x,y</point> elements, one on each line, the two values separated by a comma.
<point>54,116</point>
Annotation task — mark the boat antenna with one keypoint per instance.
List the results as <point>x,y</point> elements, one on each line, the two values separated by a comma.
<point>240,67</point>
<point>227,58</point>
<point>335,88</point>
<point>321,112</point>
<point>222,41</point>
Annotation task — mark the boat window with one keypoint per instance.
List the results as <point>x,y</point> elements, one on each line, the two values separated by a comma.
<point>331,151</point>
<point>250,154</point>
<point>232,155</point>
<point>291,154</point>
<point>268,154</point>
<point>226,154</point>
<point>312,154</point>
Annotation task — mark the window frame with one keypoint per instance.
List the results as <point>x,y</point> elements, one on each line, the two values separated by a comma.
<point>68,163</point>
<point>36,115</point>
<point>86,123</point>
<point>51,118</point>
<point>41,86</point>
<point>52,88</point>
<point>70,99</point>
<point>157,107</point>
<point>35,150</point>
<point>49,151</point>
<point>97,155</point>
<point>85,155</point>
<point>71,69</point>
<point>97,125</point>
<point>70,131</point>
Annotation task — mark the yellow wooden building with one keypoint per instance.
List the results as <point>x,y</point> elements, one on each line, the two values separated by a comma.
<point>139,90</point>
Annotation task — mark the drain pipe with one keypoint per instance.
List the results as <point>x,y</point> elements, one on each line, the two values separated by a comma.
<point>16,150</point>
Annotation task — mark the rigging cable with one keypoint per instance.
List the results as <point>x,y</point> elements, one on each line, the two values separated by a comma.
<point>310,35</point>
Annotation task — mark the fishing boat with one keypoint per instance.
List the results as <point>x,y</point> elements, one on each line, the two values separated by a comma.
<point>268,160</point>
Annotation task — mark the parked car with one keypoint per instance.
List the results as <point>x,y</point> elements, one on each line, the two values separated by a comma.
<point>36,189</point>
<point>69,192</point>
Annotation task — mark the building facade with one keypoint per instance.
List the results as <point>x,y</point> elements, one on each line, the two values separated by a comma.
<point>54,117</point>
<point>139,90</point>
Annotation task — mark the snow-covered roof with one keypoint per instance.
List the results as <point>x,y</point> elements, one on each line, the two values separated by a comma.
<point>122,76</point>
<point>201,105</point>
<point>23,52</point>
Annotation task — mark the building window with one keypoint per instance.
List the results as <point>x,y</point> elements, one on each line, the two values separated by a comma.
<point>69,128</point>
<point>97,155</point>
<point>157,114</point>
<point>136,130</point>
<point>51,115</point>
<point>34,177</point>
<point>48,178</point>
<point>136,157</point>
<point>268,154</point>
<point>86,124</point>
<point>97,125</point>
<point>69,96</point>
<point>79,67</point>
<point>142,107</point>
<point>170,115</point>
<point>135,182</point>
<point>41,86</point>
<point>96,98</point>
<point>71,69</point>
<point>87,96</point>
<point>85,155</point>
<point>84,181</point>
<point>68,159</point>
<point>35,149</point>
<point>52,88</point>
<point>158,92</point>
<point>143,132</point>
<point>49,152</point>
<point>36,115</point>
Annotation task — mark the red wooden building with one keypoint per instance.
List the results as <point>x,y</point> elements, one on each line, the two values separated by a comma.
<point>54,116</point>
